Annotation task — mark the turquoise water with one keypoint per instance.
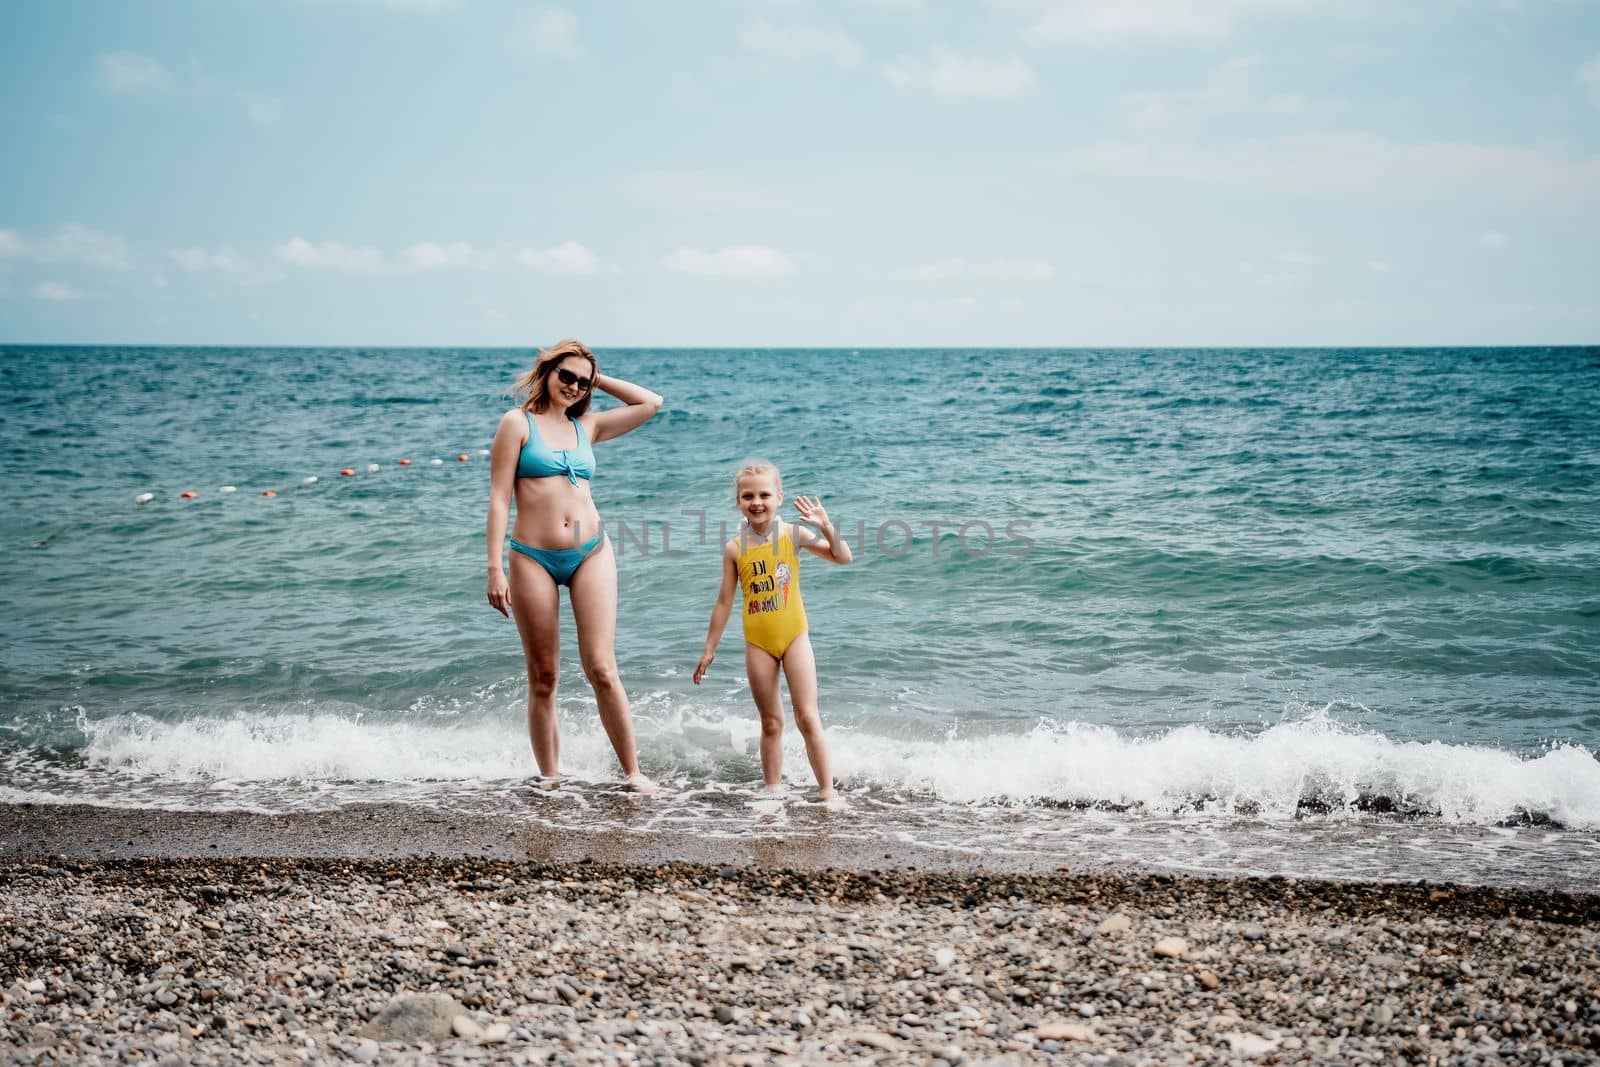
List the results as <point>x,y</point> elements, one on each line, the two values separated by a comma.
<point>1257,587</point>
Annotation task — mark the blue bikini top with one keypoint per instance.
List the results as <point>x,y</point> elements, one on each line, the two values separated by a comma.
<point>539,460</point>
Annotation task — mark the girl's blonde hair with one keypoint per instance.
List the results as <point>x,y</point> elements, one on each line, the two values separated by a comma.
<point>536,384</point>
<point>756,466</point>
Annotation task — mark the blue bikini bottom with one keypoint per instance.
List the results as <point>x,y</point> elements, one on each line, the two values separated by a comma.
<point>560,563</point>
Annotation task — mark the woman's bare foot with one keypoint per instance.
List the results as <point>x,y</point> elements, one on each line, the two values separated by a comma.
<point>548,781</point>
<point>638,783</point>
<point>832,800</point>
<point>775,790</point>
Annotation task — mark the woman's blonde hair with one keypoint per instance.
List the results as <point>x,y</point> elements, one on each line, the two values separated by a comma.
<point>536,384</point>
<point>756,466</point>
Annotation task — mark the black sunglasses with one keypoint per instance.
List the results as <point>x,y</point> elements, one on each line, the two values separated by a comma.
<point>568,378</point>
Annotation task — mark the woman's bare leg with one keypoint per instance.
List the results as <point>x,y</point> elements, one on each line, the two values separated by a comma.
<point>535,605</point>
<point>594,607</point>
<point>800,668</point>
<point>762,670</point>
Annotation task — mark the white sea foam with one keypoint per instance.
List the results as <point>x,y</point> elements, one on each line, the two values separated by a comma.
<point>315,748</point>
<point>1314,763</point>
<point>1273,774</point>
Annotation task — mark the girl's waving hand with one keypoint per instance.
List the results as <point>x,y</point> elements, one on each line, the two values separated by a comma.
<point>818,534</point>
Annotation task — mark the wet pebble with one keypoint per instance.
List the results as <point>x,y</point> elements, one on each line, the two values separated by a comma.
<point>460,962</point>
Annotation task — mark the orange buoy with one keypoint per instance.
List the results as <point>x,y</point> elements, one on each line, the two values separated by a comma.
<point>463,457</point>
<point>189,494</point>
<point>269,492</point>
<point>405,463</point>
<point>348,473</point>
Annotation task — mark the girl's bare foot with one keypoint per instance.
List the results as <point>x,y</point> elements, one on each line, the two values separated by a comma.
<point>832,800</point>
<point>775,789</point>
<point>548,781</point>
<point>638,783</point>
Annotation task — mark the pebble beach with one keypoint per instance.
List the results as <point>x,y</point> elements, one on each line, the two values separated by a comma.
<point>450,959</point>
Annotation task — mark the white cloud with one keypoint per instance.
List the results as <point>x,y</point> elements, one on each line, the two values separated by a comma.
<point>800,42</point>
<point>1589,74</point>
<point>330,255</point>
<point>1297,257</point>
<point>431,256</point>
<point>94,248</point>
<point>549,31</point>
<point>570,257</point>
<point>947,74</point>
<point>263,110</point>
<point>736,261</point>
<point>412,5</point>
<point>224,260</point>
<point>689,190</point>
<point>956,268</point>
<point>55,292</point>
<point>1381,266</point>
<point>1111,22</point>
<point>74,244</point>
<point>1492,239</point>
<point>1296,106</point>
<point>1229,90</point>
<point>130,72</point>
<point>1354,164</point>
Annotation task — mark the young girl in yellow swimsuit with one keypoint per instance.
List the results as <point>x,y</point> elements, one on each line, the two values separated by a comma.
<point>761,564</point>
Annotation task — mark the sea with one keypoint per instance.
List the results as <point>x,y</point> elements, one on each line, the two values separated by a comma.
<point>1308,612</point>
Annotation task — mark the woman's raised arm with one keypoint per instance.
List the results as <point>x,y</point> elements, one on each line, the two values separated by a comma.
<point>640,405</point>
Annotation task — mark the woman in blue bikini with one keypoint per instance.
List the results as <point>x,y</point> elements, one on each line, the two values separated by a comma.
<point>543,456</point>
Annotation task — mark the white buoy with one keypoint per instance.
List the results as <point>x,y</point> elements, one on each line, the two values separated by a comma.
<point>435,462</point>
<point>144,498</point>
<point>309,481</point>
<point>227,489</point>
<point>373,468</point>
<point>483,451</point>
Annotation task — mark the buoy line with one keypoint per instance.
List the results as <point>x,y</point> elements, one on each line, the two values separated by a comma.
<point>306,482</point>
<point>228,490</point>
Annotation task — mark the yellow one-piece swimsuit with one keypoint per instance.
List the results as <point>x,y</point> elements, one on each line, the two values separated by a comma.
<point>769,575</point>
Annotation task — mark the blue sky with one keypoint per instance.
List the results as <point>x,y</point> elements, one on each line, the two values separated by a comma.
<point>853,172</point>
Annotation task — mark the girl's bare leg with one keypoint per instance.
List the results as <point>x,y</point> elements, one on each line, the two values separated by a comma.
<point>800,668</point>
<point>594,608</point>
<point>762,670</point>
<point>534,605</point>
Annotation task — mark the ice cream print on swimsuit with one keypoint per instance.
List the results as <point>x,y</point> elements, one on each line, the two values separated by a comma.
<point>767,592</point>
<point>769,574</point>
